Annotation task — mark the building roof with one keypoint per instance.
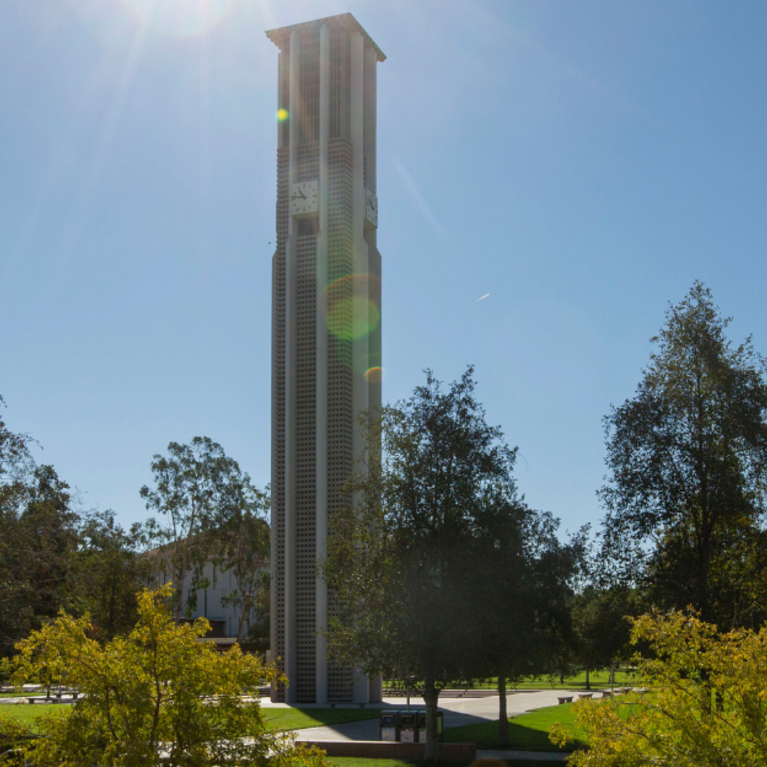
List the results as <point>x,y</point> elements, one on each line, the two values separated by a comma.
<point>280,37</point>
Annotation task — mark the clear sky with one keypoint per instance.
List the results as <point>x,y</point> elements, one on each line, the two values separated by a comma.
<point>574,165</point>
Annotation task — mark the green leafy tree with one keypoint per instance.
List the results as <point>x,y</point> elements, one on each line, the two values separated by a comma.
<point>398,557</point>
<point>242,538</point>
<point>521,576</point>
<point>154,697</point>
<point>108,572</point>
<point>687,460</point>
<point>687,663</point>
<point>212,512</point>
<point>38,544</point>
<point>601,628</point>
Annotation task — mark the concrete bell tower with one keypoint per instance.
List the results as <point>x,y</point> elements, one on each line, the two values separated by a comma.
<point>326,329</point>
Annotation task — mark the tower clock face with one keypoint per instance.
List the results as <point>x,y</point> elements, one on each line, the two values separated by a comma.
<point>371,208</point>
<point>304,201</point>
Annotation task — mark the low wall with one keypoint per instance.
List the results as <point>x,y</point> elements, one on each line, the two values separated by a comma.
<point>381,749</point>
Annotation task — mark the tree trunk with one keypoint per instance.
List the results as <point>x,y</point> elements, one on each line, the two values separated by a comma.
<point>588,679</point>
<point>612,673</point>
<point>431,698</point>
<point>503,717</point>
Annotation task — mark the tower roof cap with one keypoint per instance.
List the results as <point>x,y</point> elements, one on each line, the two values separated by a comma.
<point>280,37</point>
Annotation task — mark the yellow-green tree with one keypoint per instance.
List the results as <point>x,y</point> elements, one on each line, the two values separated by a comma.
<point>705,703</point>
<point>155,696</point>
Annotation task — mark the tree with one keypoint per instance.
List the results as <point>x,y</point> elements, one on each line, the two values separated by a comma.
<point>242,540</point>
<point>687,460</point>
<point>687,662</point>
<point>38,539</point>
<point>154,697</point>
<point>213,512</point>
<point>108,573</point>
<point>522,595</point>
<point>38,543</point>
<point>399,553</point>
<point>602,631</point>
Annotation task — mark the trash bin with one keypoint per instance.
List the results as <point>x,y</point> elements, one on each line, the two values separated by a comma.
<point>421,725</point>
<point>387,726</point>
<point>421,716</point>
<point>407,727</point>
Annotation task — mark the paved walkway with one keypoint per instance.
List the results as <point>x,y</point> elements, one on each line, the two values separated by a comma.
<point>456,712</point>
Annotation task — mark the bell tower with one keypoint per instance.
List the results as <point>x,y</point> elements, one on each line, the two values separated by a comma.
<point>326,330</point>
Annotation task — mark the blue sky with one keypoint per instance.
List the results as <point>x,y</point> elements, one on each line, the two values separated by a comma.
<point>581,163</point>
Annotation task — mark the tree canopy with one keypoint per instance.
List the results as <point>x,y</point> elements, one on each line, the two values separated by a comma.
<point>156,696</point>
<point>687,461</point>
<point>211,511</point>
<point>434,528</point>
<point>702,705</point>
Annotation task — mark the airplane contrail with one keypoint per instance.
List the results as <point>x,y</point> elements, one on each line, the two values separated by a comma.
<point>482,299</point>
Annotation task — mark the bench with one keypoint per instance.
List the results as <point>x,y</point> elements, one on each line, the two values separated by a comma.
<point>585,696</point>
<point>565,699</point>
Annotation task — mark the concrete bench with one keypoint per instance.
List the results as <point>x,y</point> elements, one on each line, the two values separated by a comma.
<point>565,699</point>
<point>586,696</point>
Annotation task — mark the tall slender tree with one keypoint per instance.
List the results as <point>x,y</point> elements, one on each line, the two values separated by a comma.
<point>687,461</point>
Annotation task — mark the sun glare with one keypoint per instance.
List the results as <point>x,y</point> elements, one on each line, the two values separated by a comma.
<point>180,18</point>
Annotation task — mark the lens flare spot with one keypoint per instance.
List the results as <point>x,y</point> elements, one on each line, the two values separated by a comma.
<point>374,375</point>
<point>282,115</point>
<point>353,317</point>
<point>350,307</point>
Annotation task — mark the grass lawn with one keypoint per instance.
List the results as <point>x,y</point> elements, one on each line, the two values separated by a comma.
<point>274,718</point>
<point>27,714</point>
<point>576,681</point>
<point>299,718</point>
<point>527,732</point>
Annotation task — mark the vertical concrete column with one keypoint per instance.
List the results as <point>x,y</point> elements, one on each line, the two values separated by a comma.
<point>321,382</point>
<point>361,267</point>
<point>370,127</point>
<point>371,234</point>
<point>291,338</point>
<point>274,551</point>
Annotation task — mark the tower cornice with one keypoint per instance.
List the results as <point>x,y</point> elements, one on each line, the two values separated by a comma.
<point>281,36</point>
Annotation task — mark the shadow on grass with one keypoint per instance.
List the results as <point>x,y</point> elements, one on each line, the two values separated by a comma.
<point>298,719</point>
<point>528,732</point>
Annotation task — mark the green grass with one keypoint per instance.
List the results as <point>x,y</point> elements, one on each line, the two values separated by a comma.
<point>26,714</point>
<point>598,679</point>
<point>298,718</point>
<point>274,718</point>
<point>527,732</point>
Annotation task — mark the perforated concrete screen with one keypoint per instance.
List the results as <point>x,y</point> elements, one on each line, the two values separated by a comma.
<point>326,330</point>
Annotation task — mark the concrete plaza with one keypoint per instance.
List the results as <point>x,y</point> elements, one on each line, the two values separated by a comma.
<point>457,711</point>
